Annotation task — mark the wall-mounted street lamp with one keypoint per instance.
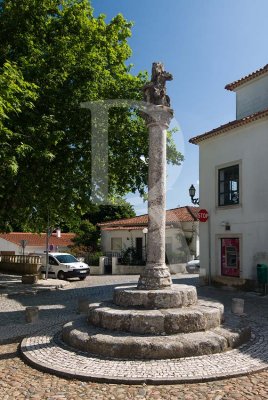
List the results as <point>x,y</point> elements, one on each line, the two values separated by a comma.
<point>192,191</point>
<point>145,231</point>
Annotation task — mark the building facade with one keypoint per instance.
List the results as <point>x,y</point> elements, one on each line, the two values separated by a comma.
<point>182,235</point>
<point>30,243</point>
<point>234,186</point>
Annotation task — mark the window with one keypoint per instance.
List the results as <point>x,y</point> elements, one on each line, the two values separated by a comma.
<point>52,261</point>
<point>66,258</point>
<point>116,244</point>
<point>228,185</point>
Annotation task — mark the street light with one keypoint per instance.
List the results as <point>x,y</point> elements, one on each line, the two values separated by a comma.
<point>192,191</point>
<point>23,244</point>
<point>48,234</point>
<point>145,231</point>
<point>47,242</point>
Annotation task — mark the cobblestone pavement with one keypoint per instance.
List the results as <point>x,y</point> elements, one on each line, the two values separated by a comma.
<point>56,305</point>
<point>19,381</point>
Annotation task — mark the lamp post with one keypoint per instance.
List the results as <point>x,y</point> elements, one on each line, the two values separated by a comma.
<point>145,231</point>
<point>23,245</point>
<point>47,242</point>
<point>192,191</point>
<point>49,231</point>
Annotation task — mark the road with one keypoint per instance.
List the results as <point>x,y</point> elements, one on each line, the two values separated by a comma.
<point>20,381</point>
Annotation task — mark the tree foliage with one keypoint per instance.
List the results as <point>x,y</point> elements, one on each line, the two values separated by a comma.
<point>54,55</point>
<point>15,95</point>
<point>118,209</point>
<point>88,233</point>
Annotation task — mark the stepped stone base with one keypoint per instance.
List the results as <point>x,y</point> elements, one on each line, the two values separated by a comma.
<point>174,297</point>
<point>200,317</point>
<point>157,324</point>
<point>82,336</point>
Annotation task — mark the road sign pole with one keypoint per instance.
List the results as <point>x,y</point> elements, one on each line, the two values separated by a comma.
<point>47,243</point>
<point>209,252</point>
<point>203,216</point>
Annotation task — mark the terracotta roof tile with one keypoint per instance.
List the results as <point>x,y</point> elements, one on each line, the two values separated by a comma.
<point>38,239</point>
<point>229,126</point>
<point>181,214</point>
<point>122,228</point>
<point>235,84</point>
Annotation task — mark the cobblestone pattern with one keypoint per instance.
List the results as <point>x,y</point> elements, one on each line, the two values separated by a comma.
<point>61,305</point>
<point>21,382</point>
<point>54,305</point>
<point>45,351</point>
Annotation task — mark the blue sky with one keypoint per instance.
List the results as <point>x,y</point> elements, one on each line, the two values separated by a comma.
<point>205,44</point>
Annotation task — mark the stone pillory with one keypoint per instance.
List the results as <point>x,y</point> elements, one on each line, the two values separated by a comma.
<point>157,116</point>
<point>155,319</point>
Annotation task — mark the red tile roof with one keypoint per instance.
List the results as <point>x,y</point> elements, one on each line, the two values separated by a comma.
<point>229,126</point>
<point>121,228</point>
<point>181,214</point>
<point>235,84</point>
<point>38,239</point>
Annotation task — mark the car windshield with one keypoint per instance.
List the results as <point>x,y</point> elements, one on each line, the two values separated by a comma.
<point>66,258</point>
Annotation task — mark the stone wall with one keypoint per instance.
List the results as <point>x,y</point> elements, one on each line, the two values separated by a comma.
<point>98,269</point>
<point>20,265</point>
<point>127,269</point>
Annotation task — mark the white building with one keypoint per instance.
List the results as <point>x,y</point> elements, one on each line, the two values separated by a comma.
<point>13,243</point>
<point>182,235</point>
<point>234,186</point>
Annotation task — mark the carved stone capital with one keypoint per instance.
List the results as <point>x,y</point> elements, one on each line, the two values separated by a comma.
<point>157,115</point>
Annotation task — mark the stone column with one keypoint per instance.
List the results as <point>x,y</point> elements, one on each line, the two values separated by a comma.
<point>156,274</point>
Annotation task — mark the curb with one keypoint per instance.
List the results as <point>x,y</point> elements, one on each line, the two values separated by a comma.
<point>44,350</point>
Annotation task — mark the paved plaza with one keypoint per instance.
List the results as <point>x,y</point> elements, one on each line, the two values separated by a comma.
<point>59,304</point>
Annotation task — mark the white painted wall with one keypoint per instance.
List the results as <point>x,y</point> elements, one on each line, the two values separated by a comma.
<point>249,221</point>
<point>175,237</point>
<point>5,245</point>
<point>128,238</point>
<point>252,97</point>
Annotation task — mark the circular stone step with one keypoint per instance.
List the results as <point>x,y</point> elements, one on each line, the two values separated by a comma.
<point>200,317</point>
<point>174,297</point>
<point>88,338</point>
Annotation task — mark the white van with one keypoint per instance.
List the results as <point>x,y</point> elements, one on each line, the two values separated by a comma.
<point>64,266</point>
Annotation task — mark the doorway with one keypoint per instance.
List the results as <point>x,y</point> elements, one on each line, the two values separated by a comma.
<point>139,248</point>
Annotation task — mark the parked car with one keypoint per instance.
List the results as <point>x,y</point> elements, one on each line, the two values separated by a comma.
<point>64,266</point>
<point>193,266</point>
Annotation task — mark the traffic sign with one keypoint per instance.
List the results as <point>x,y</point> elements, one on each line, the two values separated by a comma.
<point>202,215</point>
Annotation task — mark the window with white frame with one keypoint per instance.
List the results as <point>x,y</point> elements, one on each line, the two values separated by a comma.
<point>228,185</point>
<point>116,244</point>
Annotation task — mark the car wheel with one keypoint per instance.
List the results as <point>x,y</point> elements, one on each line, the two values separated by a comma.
<point>82,278</point>
<point>61,275</point>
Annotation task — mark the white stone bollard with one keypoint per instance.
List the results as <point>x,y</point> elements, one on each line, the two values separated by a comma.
<point>31,314</point>
<point>238,306</point>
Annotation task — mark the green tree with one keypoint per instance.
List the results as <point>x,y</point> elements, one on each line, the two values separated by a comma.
<point>16,96</point>
<point>87,237</point>
<point>88,233</point>
<point>118,209</point>
<point>70,57</point>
